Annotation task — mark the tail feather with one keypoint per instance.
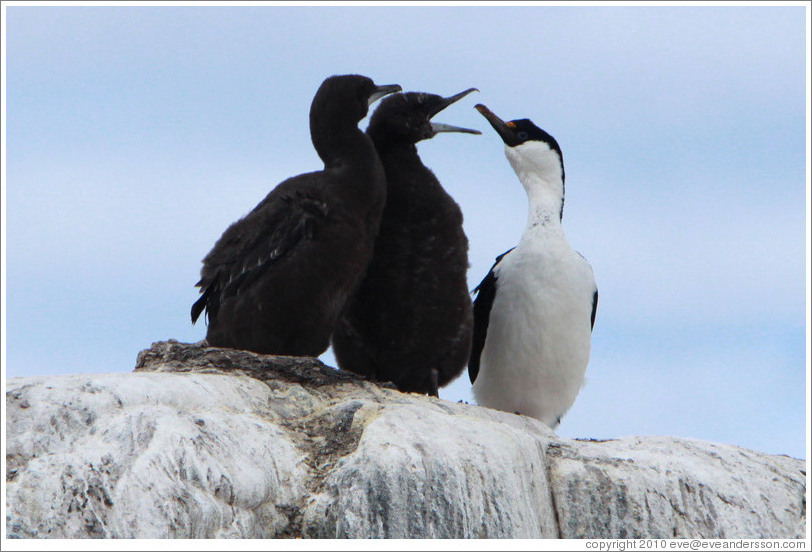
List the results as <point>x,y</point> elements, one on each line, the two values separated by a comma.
<point>200,305</point>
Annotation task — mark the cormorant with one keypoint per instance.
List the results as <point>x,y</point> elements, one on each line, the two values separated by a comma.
<point>277,280</point>
<point>410,321</point>
<point>534,311</point>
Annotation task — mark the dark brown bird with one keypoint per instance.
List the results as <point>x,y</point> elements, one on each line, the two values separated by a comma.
<point>277,280</point>
<point>410,321</point>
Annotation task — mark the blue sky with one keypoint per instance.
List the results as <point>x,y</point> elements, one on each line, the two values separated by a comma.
<point>135,135</point>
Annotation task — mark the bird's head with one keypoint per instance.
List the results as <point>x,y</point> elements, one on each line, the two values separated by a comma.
<point>529,149</point>
<point>348,97</point>
<point>406,118</point>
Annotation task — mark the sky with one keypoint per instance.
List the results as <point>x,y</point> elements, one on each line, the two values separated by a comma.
<point>134,135</point>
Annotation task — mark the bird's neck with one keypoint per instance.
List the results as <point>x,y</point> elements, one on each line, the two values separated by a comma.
<point>345,149</point>
<point>398,154</point>
<point>542,174</point>
<point>402,165</point>
<point>395,149</point>
<point>546,204</point>
<point>350,156</point>
<point>341,145</point>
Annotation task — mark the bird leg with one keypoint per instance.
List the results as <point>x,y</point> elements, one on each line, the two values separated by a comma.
<point>434,381</point>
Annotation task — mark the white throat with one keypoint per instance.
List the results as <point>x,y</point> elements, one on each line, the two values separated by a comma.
<point>540,172</point>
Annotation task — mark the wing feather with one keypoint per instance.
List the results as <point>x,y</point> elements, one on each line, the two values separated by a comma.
<point>486,292</point>
<point>253,244</point>
<point>594,307</point>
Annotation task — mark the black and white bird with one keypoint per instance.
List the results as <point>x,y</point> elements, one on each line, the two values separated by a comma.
<point>534,311</point>
<point>277,280</point>
<point>410,321</point>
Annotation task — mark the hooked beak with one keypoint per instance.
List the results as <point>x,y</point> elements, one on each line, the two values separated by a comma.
<point>445,102</point>
<point>502,128</point>
<point>383,90</point>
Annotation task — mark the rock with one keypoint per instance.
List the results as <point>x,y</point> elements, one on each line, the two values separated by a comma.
<point>662,487</point>
<point>204,443</point>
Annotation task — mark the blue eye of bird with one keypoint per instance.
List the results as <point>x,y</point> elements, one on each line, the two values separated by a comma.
<point>522,135</point>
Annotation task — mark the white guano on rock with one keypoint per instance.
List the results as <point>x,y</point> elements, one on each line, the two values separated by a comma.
<point>213,443</point>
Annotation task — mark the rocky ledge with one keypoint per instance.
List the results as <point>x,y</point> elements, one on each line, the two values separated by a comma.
<point>202,442</point>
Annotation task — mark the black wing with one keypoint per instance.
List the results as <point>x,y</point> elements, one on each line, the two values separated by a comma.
<point>486,292</point>
<point>594,307</point>
<point>251,245</point>
<point>594,298</point>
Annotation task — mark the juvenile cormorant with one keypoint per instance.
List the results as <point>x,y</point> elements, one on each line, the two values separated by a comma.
<point>277,280</point>
<point>410,321</point>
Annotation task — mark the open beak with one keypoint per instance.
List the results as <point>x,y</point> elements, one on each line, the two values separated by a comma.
<point>445,102</point>
<point>383,90</point>
<point>442,127</point>
<point>505,131</point>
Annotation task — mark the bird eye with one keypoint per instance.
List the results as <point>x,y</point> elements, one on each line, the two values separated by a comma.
<point>522,135</point>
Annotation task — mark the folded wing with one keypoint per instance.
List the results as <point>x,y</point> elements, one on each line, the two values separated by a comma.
<point>252,246</point>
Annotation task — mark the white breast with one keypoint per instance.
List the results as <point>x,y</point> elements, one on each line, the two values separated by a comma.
<point>538,338</point>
